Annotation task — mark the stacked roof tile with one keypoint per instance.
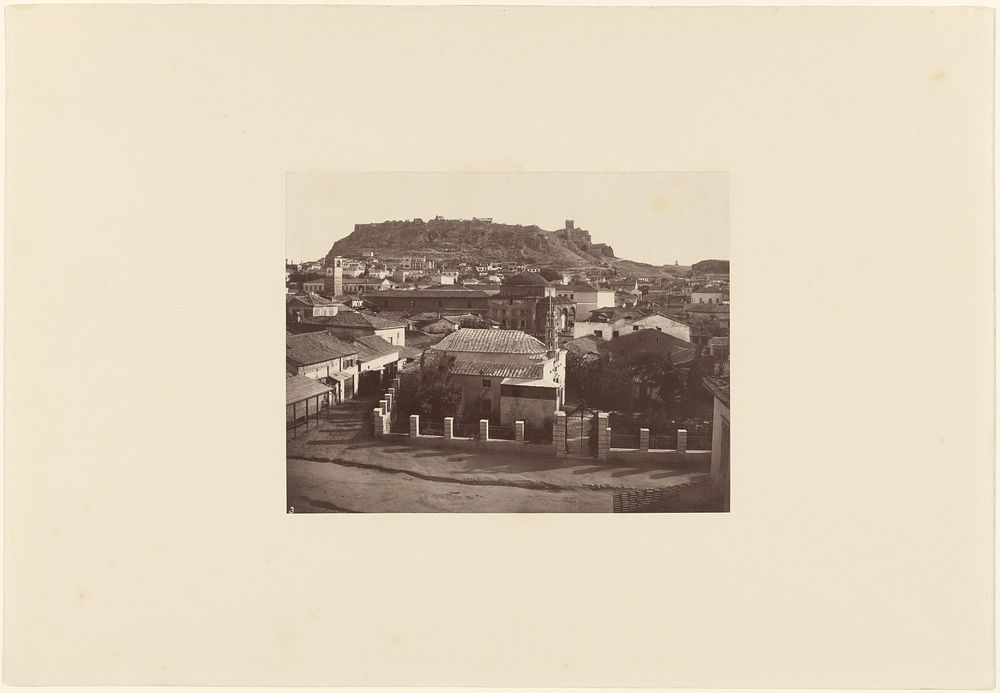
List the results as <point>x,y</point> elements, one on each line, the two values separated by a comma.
<point>531,371</point>
<point>719,386</point>
<point>354,319</point>
<point>373,347</point>
<point>491,341</point>
<point>315,347</point>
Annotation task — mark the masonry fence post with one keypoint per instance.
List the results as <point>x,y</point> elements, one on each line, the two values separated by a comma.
<point>377,426</point>
<point>390,397</point>
<point>384,406</point>
<point>682,440</point>
<point>559,433</point>
<point>395,384</point>
<point>644,440</point>
<point>414,425</point>
<point>449,427</point>
<point>388,402</point>
<point>603,436</point>
<point>484,429</point>
<point>519,431</point>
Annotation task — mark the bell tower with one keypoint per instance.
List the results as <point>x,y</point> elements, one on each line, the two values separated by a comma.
<point>335,277</point>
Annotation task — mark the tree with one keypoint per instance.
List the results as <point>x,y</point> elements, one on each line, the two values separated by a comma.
<point>429,392</point>
<point>613,384</point>
<point>550,274</point>
<point>654,371</point>
<point>580,373</point>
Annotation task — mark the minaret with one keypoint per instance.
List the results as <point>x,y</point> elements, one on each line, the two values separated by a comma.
<point>551,339</point>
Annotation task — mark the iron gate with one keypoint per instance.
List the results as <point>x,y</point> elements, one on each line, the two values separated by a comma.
<point>581,433</point>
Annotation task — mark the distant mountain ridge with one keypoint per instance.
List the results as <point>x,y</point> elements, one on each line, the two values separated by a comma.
<point>481,239</point>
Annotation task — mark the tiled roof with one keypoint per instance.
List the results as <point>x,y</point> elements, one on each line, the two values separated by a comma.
<point>432,293</point>
<point>408,352</point>
<point>612,314</point>
<point>373,347</point>
<point>315,347</point>
<point>653,340</point>
<point>299,387</point>
<point>582,346</point>
<point>353,319</point>
<point>491,341</point>
<point>703,328</point>
<point>719,341</point>
<point>498,370</point>
<point>719,386</point>
<point>706,308</point>
<point>580,287</point>
<point>309,299</point>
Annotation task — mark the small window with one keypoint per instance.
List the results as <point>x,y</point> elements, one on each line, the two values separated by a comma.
<point>487,383</point>
<point>635,328</point>
<point>598,333</point>
<point>411,304</point>
<point>659,330</point>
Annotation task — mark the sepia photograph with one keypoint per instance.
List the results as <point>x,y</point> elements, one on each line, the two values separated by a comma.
<point>522,342</point>
<point>511,238</point>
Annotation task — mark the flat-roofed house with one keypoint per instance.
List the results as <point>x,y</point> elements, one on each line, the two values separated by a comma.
<point>506,375</point>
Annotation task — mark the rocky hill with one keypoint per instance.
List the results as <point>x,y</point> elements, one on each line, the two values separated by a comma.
<point>474,238</point>
<point>711,267</point>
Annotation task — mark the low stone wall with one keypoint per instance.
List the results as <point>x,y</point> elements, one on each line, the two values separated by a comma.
<point>507,447</point>
<point>696,460</point>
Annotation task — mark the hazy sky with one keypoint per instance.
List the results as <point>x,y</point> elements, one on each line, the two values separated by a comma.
<point>647,217</point>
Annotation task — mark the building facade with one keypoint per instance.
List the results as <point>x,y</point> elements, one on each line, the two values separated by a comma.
<point>608,324</point>
<point>587,298</point>
<point>324,358</point>
<point>527,302</point>
<point>506,375</point>
<point>350,325</point>
<point>435,300</point>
